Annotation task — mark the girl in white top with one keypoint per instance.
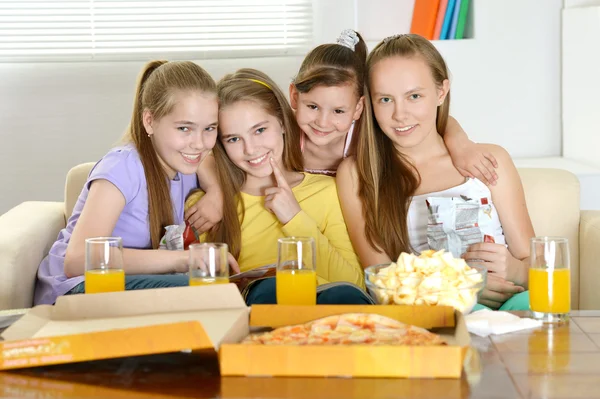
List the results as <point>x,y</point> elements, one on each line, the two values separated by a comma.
<point>471,188</point>
<point>402,157</point>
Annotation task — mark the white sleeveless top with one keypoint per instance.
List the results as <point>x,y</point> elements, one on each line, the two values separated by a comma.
<point>472,188</point>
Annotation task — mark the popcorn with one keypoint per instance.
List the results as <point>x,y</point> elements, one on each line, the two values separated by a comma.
<point>432,278</point>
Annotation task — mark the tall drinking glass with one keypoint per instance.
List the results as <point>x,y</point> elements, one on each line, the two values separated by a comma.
<point>550,279</point>
<point>296,278</point>
<point>104,265</point>
<point>208,264</point>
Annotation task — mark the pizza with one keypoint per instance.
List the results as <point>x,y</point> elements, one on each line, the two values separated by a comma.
<point>348,329</point>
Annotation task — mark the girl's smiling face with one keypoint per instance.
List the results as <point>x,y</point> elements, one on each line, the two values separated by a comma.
<point>184,136</point>
<point>405,99</point>
<point>326,113</point>
<point>250,137</point>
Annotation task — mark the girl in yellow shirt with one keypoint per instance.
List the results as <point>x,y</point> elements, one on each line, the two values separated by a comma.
<point>267,195</point>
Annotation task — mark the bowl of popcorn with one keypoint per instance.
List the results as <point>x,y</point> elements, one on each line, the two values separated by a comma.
<point>432,278</point>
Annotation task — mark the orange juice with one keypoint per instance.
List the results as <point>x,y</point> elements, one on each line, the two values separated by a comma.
<point>104,280</point>
<point>550,290</point>
<point>208,280</point>
<point>296,287</point>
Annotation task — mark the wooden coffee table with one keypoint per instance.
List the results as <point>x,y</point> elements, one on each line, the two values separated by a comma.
<point>548,362</point>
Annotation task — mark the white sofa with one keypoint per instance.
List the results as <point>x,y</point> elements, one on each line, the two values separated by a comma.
<point>28,231</point>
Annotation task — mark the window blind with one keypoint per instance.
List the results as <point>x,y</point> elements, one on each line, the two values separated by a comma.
<point>142,29</point>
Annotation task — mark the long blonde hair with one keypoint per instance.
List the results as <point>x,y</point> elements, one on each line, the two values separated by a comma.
<point>155,92</point>
<point>250,85</point>
<point>387,181</point>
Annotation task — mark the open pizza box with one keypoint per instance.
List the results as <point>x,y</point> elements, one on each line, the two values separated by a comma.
<point>82,328</point>
<point>351,360</point>
<point>120,324</point>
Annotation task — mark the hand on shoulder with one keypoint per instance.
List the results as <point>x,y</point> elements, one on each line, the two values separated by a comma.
<point>506,170</point>
<point>498,152</point>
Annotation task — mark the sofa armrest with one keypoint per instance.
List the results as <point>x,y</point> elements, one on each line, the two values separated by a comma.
<point>589,258</point>
<point>27,232</point>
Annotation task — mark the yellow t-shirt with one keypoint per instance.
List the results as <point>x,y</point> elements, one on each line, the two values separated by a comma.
<point>321,218</point>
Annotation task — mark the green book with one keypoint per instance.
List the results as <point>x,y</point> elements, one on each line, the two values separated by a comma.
<point>462,19</point>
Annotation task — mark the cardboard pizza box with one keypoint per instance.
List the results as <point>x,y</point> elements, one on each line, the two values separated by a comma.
<point>352,360</point>
<point>130,323</point>
<point>343,388</point>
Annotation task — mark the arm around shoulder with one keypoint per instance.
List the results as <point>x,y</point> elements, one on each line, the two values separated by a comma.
<point>208,210</point>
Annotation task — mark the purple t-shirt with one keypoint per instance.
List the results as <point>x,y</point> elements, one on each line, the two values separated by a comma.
<point>123,168</point>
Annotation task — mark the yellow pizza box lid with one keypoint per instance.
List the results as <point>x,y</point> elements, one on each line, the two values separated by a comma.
<point>130,323</point>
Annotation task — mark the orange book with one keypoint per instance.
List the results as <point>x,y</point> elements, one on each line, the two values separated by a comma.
<point>424,18</point>
<point>440,19</point>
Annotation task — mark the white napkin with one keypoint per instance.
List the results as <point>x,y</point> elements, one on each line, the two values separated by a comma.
<point>485,322</point>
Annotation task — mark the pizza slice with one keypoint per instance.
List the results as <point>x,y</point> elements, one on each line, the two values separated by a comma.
<point>348,329</point>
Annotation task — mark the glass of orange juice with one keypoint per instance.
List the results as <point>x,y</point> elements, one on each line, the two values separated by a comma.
<point>296,278</point>
<point>550,279</point>
<point>208,264</point>
<point>104,265</point>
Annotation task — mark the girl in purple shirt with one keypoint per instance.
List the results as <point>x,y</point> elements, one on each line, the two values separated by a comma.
<point>137,189</point>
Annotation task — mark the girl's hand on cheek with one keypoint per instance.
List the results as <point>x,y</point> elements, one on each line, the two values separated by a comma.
<point>280,200</point>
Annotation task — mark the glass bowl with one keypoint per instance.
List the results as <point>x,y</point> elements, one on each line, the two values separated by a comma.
<point>436,289</point>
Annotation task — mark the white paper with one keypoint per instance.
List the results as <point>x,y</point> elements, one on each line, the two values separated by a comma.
<point>485,322</point>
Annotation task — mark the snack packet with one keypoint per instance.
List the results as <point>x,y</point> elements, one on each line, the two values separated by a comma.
<point>178,237</point>
<point>455,223</point>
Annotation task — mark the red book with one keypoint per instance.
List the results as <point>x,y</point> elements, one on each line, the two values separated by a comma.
<point>440,19</point>
<point>424,18</point>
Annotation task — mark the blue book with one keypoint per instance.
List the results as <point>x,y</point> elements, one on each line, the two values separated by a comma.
<point>447,20</point>
<point>454,23</point>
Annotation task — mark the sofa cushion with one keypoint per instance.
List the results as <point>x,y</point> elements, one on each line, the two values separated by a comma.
<point>76,178</point>
<point>27,232</point>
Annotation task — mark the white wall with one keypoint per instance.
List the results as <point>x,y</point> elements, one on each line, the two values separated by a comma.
<point>506,89</point>
<point>581,101</point>
<point>54,116</point>
<point>580,3</point>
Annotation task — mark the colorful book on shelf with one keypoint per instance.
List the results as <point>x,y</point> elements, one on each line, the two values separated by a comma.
<point>462,19</point>
<point>424,18</point>
<point>454,23</point>
<point>447,20</point>
<point>439,22</point>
